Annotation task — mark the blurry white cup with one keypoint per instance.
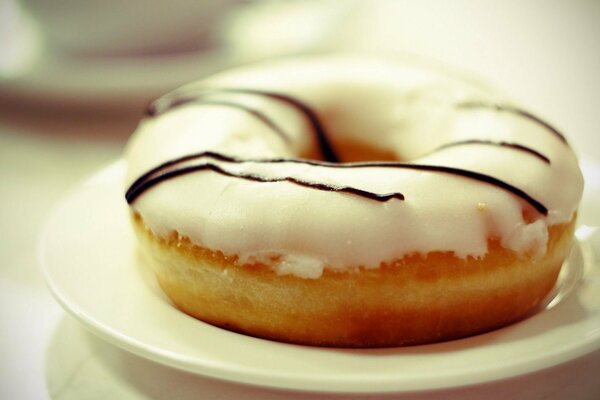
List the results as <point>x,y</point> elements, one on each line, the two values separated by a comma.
<point>127,27</point>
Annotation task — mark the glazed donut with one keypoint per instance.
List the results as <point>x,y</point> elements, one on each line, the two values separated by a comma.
<point>351,201</point>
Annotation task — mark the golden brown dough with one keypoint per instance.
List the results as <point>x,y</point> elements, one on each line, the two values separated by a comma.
<point>414,300</point>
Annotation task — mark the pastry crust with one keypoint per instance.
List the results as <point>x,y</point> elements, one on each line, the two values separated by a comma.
<point>413,300</point>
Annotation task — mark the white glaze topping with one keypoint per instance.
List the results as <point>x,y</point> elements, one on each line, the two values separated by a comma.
<point>407,110</point>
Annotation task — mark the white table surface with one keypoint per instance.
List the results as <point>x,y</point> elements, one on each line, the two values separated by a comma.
<point>546,53</point>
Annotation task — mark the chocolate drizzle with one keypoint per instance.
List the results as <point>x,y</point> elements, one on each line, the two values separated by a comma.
<point>514,110</point>
<point>161,106</point>
<point>514,146</point>
<point>168,102</point>
<point>166,171</point>
<point>198,161</point>
<point>134,192</point>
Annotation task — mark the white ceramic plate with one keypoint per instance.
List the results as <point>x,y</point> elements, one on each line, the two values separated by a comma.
<point>90,261</point>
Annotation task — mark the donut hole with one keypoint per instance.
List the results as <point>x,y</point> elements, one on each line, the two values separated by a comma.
<point>353,151</point>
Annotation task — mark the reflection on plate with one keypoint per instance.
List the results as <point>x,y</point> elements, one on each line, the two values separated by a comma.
<point>89,258</point>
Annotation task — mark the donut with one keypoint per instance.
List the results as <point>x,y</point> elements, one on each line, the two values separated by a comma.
<point>351,201</point>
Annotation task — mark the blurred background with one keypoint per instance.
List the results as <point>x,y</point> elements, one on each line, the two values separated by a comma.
<point>76,75</point>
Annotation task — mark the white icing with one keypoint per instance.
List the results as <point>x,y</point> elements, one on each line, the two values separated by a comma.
<point>404,109</point>
<point>302,266</point>
<point>531,238</point>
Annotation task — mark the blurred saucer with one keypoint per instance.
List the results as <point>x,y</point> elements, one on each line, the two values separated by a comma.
<point>33,71</point>
<point>119,80</point>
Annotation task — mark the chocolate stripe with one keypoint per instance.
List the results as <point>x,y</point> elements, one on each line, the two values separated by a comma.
<point>312,117</point>
<point>163,105</point>
<point>170,168</point>
<point>152,181</point>
<point>157,175</point>
<point>514,146</point>
<point>135,187</point>
<point>514,110</point>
